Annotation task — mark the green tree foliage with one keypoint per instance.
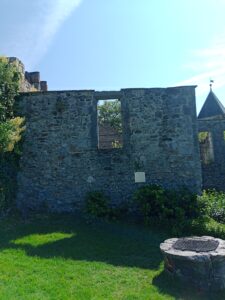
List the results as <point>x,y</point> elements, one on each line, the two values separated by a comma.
<point>9,87</point>
<point>10,127</point>
<point>215,204</point>
<point>176,208</point>
<point>10,133</point>
<point>110,113</point>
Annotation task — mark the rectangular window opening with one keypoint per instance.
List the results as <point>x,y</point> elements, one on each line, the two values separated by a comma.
<point>110,133</point>
<point>206,147</point>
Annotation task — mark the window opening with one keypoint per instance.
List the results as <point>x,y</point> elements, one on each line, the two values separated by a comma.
<point>109,124</point>
<point>206,147</point>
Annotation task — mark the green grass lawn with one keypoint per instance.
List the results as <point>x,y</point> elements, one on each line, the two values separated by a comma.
<point>60,257</point>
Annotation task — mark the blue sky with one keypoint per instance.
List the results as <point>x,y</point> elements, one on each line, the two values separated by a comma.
<point>113,44</point>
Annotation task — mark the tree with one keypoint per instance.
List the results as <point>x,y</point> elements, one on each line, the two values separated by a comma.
<point>10,78</point>
<point>110,113</point>
<point>10,127</point>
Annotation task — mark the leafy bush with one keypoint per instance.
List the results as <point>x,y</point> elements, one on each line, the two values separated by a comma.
<point>150,199</point>
<point>215,204</point>
<point>97,204</point>
<point>174,207</point>
<point>191,205</point>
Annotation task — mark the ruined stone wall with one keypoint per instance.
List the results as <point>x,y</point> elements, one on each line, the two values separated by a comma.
<point>61,161</point>
<point>30,81</point>
<point>213,173</point>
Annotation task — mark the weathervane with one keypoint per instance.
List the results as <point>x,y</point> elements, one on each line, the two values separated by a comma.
<point>210,84</point>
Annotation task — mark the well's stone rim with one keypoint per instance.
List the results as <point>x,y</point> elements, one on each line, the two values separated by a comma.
<point>167,248</point>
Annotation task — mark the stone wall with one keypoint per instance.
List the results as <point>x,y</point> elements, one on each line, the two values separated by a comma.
<point>61,161</point>
<point>213,173</point>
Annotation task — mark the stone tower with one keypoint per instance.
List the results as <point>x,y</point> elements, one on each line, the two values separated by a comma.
<point>211,124</point>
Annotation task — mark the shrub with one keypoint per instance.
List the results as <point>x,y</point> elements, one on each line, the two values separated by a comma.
<point>97,204</point>
<point>174,207</point>
<point>215,204</point>
<point>150,199</point>
<point>191,205</point>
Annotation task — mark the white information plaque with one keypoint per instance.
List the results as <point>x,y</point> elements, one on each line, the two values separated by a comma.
<point>139,177</point>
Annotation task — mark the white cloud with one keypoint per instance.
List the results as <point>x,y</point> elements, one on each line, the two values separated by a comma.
<point>207,63</point>
<point>29,38</point>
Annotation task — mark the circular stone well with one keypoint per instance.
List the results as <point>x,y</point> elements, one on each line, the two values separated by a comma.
<point>197,260</point>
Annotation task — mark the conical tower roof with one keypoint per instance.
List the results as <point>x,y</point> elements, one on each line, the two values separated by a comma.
<point>212,107</point>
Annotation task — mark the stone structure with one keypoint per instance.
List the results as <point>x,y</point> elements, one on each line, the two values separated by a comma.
<point>211,126</point>
<point>196,260</point>
<point>30,80</point>
<point>61,160</point>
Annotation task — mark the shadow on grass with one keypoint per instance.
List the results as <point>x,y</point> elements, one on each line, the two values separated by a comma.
<point>116,244</point>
